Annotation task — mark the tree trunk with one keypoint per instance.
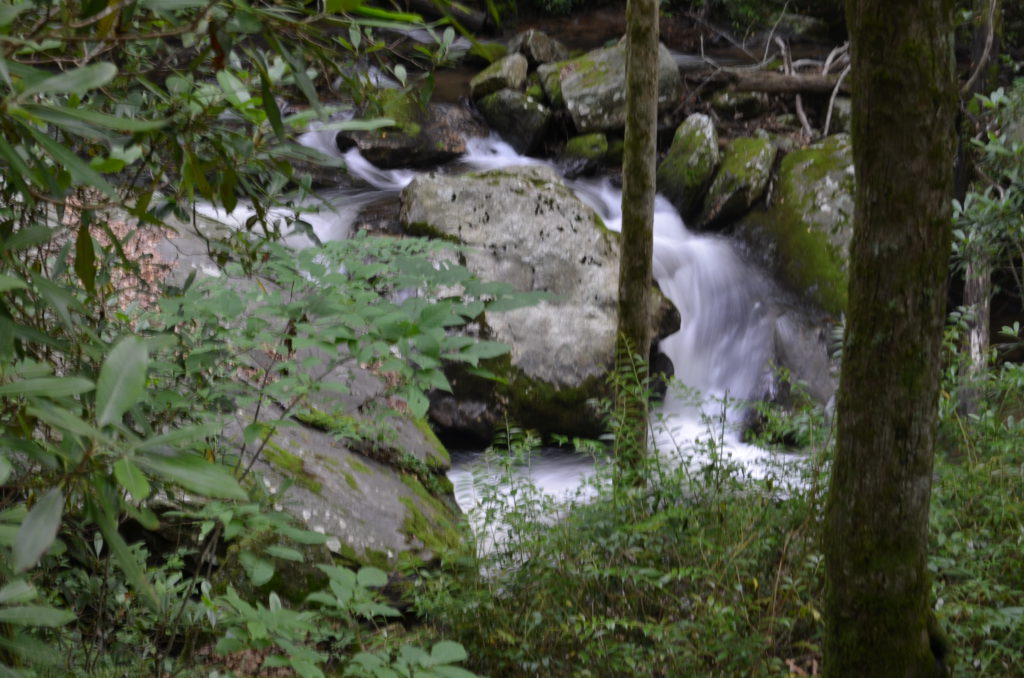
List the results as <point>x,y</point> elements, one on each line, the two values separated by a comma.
<point>878,619</point>
<point>638,189</point>
<point>983,78</point>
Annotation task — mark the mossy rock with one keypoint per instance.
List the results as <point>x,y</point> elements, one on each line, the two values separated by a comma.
<point>506,73</point>
<point>587,146</point>
<point>551,80</point>
<point>805,235</point>
<point>690,164</point>
<point>740,181</point>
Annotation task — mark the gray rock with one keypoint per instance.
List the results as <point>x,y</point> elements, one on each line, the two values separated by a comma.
<point>740,181</point>
<point>551,80</point>
<point>506,73</point>
<point>804,234</point>
<point>538,47</point>
<point>841,115</point>
<point>520,120</point>
<point>421,139</point>
<point>690,164</point>
<point>738,105</point>
<point>594,87</point>
<point>523,226</point>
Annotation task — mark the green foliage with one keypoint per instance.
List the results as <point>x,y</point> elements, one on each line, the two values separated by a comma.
<point>127,505</point>
<point>988,225</point>
<point>701,570</point>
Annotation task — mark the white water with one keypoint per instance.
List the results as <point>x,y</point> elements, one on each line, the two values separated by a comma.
<point>720,351</point>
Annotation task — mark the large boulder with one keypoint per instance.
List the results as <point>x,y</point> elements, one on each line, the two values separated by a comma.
<point>520,120</point>
<point>740,181</point>
<point>420,137</point>
<point>371,478</point>
<point>538,47</point>
<point>804,235</point>
<point>525,227</point>
<point>688,167</point>
<point>593,87</point>
<point>506,73</point>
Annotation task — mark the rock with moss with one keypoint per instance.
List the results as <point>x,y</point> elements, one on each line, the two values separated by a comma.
<point>686,171</point>
<point>506,73</point>
<point>740,181</point>
<point>538,47</point>
<point>551,81</point>
<point>523,226</point>
<point>421,137</point>
<point>804,236</point>
<point>521,121</point>
<point>594,87</point>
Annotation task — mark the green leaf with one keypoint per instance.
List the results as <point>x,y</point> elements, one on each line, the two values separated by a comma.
<point>453,672</point>
<point>38,530</point>
<point>179,437</point>
<point>259,570</point>
<point>371,577</point>
<point>122,379</point>
<point>18,591</point>
<point>8,283</point>
<point>35,615</point>
<point>284,553</point>
<point>63,420</point>
<point>59,299</point>
<point>53,387</point>
<point>447,652</point>
<point>8,13</point>
<point>78,81</point>
<point>5,469</point>
<point>131,478</point>
<point>194,473</point>
<point>64,157</point>
<point>63,115</point>
<point>234,90</point>
<point>335,6</point>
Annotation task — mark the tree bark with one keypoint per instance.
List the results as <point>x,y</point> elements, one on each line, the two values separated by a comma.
<point>878,618</point>
<point>638,189</point>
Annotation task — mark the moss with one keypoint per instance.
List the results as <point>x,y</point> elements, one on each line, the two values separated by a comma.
<point>442,460</point>
<point>587,146</point>
<point>689,165</point>
<point>360,467</point>
<point>292,465</point>
<point>350,479</point>
<point>438,534</point>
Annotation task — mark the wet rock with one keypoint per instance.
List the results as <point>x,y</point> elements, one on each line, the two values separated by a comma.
<point>524,226</point>
<point>690,164</point>
<point>538,47</point>
<point>420,138</point>
<point>804,235</point>
<point>520,120</point>
<point>506,73</point>
<point>740,181</point>
<point>594,87</point>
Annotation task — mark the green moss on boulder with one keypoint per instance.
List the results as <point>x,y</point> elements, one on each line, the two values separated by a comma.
<point>740,181</point>
<point>690,164</point>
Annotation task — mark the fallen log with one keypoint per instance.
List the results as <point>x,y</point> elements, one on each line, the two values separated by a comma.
<point>770,82</point>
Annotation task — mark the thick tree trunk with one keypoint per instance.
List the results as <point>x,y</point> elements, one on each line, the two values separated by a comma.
<point>876,530</point>
<point>638,189</point>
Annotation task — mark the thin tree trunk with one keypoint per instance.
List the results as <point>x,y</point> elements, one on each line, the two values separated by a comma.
<point>638,189</point>
<point>878,618</point>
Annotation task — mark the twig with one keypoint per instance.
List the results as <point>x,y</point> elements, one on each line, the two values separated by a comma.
<point>968,87</point>
<point>788,66</point>
<point>832,101</point>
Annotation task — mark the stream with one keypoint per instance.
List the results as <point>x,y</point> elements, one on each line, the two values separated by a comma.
<point>720,351</point>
